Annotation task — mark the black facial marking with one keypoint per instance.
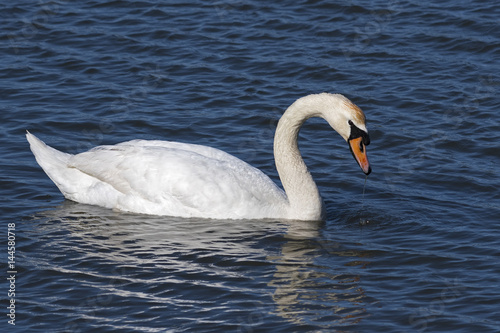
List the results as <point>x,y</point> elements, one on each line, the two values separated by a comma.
<point>357,133</point>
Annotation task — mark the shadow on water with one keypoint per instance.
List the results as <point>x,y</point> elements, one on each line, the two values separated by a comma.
<point>290,270</point>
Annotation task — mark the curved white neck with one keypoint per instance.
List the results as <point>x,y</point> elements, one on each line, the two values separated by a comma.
<point>303,194</point>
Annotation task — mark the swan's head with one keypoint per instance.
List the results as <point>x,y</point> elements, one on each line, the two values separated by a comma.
<point>350,122</point>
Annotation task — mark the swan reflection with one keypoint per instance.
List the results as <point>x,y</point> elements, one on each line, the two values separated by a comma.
<point>311,280</point>
<point>308,291</point>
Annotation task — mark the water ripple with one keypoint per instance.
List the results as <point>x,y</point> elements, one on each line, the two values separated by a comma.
<point>417,252</point>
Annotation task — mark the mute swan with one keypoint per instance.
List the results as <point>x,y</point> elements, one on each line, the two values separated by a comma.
<point>188,180</point>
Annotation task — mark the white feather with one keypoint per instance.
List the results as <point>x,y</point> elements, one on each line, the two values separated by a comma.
<point>187,180</point>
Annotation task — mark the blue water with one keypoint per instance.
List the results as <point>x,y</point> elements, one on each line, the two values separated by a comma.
<point>419,252</point>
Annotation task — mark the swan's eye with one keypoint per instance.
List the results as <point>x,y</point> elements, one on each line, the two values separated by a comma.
<point>357,133</point>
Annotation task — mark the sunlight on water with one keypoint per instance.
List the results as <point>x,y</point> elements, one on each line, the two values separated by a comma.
<point>416,250</point>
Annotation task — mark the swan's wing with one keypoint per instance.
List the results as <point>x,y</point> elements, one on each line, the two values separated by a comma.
<point>199,149</point>
<point>180,179</point>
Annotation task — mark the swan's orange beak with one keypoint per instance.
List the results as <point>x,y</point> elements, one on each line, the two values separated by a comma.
<point>358,150</point>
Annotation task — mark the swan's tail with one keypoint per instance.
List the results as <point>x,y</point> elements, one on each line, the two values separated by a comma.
<point>53,162</point>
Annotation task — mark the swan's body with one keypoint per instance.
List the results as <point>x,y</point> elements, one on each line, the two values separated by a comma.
<point>187,180</point>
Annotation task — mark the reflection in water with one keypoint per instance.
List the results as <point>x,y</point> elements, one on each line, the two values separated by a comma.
<point>133,237</point>
<point>310,279</point>
<point>308,288</point>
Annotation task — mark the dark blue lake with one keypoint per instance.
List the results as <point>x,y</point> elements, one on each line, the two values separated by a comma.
<point>418,252</point>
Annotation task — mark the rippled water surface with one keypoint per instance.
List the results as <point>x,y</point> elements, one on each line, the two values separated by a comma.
<point>419,252</point>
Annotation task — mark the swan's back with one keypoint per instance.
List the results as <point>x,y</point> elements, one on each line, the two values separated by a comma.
<point>165,178</point>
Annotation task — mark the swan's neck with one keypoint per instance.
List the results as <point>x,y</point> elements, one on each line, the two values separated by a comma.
<point>303,194</point>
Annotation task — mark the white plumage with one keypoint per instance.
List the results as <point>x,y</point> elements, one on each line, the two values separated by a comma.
<point>188,180</point>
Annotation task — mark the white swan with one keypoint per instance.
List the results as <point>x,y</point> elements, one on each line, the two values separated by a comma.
<point>187,180</point>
